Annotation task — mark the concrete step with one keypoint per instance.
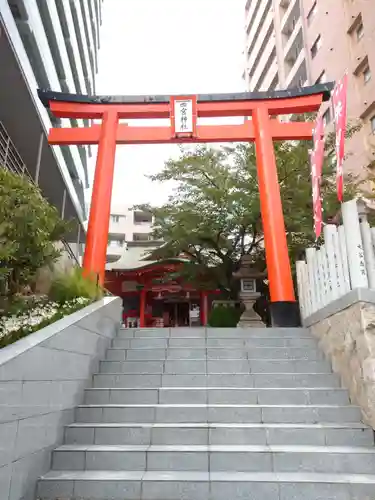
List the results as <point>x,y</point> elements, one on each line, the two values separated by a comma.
<point>200,342</point>
<point>162,485</point>
<point>140,354</point>
<point>216,395</point>
<point>198,366</point>
<point>214,332</point>
<point>215,458</point>
<point>217,413</point>
<point>258,380</point>
<point>329,434</point>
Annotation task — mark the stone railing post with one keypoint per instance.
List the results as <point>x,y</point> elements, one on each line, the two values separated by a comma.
<point>353,238</point>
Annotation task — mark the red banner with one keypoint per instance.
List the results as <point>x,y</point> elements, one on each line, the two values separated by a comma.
<point>317,158</point>
<point>339,99</point>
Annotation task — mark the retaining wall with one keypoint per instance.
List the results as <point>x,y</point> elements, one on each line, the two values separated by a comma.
<point>42,378</point>
<point>345,329</point>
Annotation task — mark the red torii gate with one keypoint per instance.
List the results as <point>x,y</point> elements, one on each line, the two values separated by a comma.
<point>183,112</point>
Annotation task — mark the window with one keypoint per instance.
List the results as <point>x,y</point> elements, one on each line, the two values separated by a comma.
<point>311,14</point>
<point>116,243</point>
<point>367,74</point>
<point>142,237</point>
<point>372,122</point>
<point>322,78</point>
<point>316,46</point>
<point>327,117</point>
<point>116,218</point>
<point>360,31</point>
<point>142,218</point>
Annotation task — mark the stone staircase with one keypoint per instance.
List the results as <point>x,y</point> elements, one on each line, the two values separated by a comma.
<point>216,414</point>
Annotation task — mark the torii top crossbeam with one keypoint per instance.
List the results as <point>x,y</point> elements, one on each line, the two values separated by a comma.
<point>293,101</point>
<point>183,113</point>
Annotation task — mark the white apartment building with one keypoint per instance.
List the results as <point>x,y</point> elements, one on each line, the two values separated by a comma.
<point>274,49</point>
<point>128,227</point>
<point>47,44</point>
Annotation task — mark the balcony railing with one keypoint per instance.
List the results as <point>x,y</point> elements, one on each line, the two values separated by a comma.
<point>287,17</point>
<point>9,156</point>
<point>296,67</point>
<point>12,161</point>
<point>297,31</point>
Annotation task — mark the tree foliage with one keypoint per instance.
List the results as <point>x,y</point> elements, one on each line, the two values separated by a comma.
<point>29,227</point>
<point>214,214</point>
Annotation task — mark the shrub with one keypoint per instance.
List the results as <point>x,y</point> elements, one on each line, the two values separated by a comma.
<point>29,227</point>
<point>224,317</point>
<point>29,320</point>
<point>72,285</point>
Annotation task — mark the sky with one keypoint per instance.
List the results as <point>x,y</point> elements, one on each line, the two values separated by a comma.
<point>165,47</point>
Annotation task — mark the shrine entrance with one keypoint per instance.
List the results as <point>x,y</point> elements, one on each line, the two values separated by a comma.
<point>184,113</point>
<point>151,298</point>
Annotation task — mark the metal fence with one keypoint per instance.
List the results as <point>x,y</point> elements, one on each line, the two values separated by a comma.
<point>9,156</point>
<point>12,161</point>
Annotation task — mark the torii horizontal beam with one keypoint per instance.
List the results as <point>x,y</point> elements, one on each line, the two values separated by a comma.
<point>161,135</point>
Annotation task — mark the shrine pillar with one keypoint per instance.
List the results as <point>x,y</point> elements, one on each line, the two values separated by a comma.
<point>97,232</point>
<point>283,307</point>
<point>204,308</point>
<point>142,308</point>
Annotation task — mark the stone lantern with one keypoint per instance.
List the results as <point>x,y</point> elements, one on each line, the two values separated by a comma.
<point>248,277</point>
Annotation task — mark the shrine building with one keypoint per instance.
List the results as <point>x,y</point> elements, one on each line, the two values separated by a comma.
<point>151,295</point>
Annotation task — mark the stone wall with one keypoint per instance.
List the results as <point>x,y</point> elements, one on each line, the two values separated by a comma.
<point>64,264</point>
<point>42,378</point>
<point>346,333</point>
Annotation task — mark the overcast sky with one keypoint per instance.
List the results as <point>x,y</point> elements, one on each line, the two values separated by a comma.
<point>165,47</point>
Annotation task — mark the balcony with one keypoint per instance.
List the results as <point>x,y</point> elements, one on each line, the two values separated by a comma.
<point>252,10</point>
<point>297,71</point>
<point>296,37</point>
<point>265,7</point>
<point>267,58</point>
<point>9,156</point>
<point>261,43</point>
<point>67,26</point>
<point>294,44</point>
<point>26,122</point>
<point>142,218</point>
<point>293,12</point>
<point>269,77</point>
<point>353,11</point>
<point>140,237</point>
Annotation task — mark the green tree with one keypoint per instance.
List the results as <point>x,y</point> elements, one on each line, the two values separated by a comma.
<point>214,215</point>
<point>29,227</point>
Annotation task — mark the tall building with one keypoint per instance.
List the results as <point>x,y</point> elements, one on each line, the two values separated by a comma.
<point>274,49</point>
<point>339,37</point>
<point>128,228</point>
<point>48,44</point>
<point>291,43</point>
